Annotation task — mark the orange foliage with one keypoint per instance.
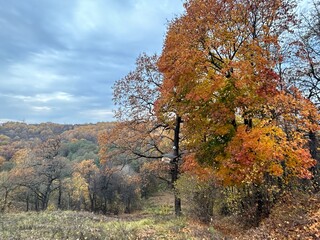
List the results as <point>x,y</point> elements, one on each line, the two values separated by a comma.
<point>86,168</point>
<point>218,64</point>
<point>263,150</point>
<point>192,166</point>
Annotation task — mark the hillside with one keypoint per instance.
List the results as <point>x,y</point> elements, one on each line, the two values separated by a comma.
<point>154,221</point>
<point>294,218</point>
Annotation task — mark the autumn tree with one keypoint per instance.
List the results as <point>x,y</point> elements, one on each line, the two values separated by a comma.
<point>7,147</point>
<point>141,133</point>
<point>116,154</point>
<point>218,64</point>
<point>41,171</point>
<point>301,65</point>
<point>77,195</point>
<point>304,59</point>
<point>84,175</point>
<point>7,187</point>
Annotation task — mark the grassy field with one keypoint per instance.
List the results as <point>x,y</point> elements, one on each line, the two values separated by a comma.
<point>77,225</point>
<point>156,221</point>
<point>294,218</point>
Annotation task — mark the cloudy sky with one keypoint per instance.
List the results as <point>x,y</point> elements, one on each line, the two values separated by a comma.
<point>59,58</point>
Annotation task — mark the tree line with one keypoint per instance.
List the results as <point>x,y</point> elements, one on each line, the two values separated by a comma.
<point>52,166</point>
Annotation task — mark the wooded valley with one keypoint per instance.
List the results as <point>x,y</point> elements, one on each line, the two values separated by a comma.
<point>226,120</point>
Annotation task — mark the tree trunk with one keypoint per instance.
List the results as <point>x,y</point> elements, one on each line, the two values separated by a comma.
<point>313,146</point>
<point>262,204</point>
<point>45,199</point>
<point>92,197</point>
<point>175,167</point>
<point>69,201</point>
<point>60,195</point>
<point>36,202</point>
<point>105,205</point>
<point>5,200</point>
<point>27,201</point>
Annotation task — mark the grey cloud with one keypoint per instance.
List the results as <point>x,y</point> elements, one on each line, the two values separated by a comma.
<point>59,59</point>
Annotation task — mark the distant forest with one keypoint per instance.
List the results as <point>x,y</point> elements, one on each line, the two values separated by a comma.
<point>59,167</point>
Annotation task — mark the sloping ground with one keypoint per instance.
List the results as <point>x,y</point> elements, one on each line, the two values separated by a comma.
<point>53,225</point>
<point>156,221</point>
<point>295,217</point>
<point>78,225</point>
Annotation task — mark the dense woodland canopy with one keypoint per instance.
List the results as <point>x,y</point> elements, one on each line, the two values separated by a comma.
<point>227,116</point>
<point>58,166</point>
